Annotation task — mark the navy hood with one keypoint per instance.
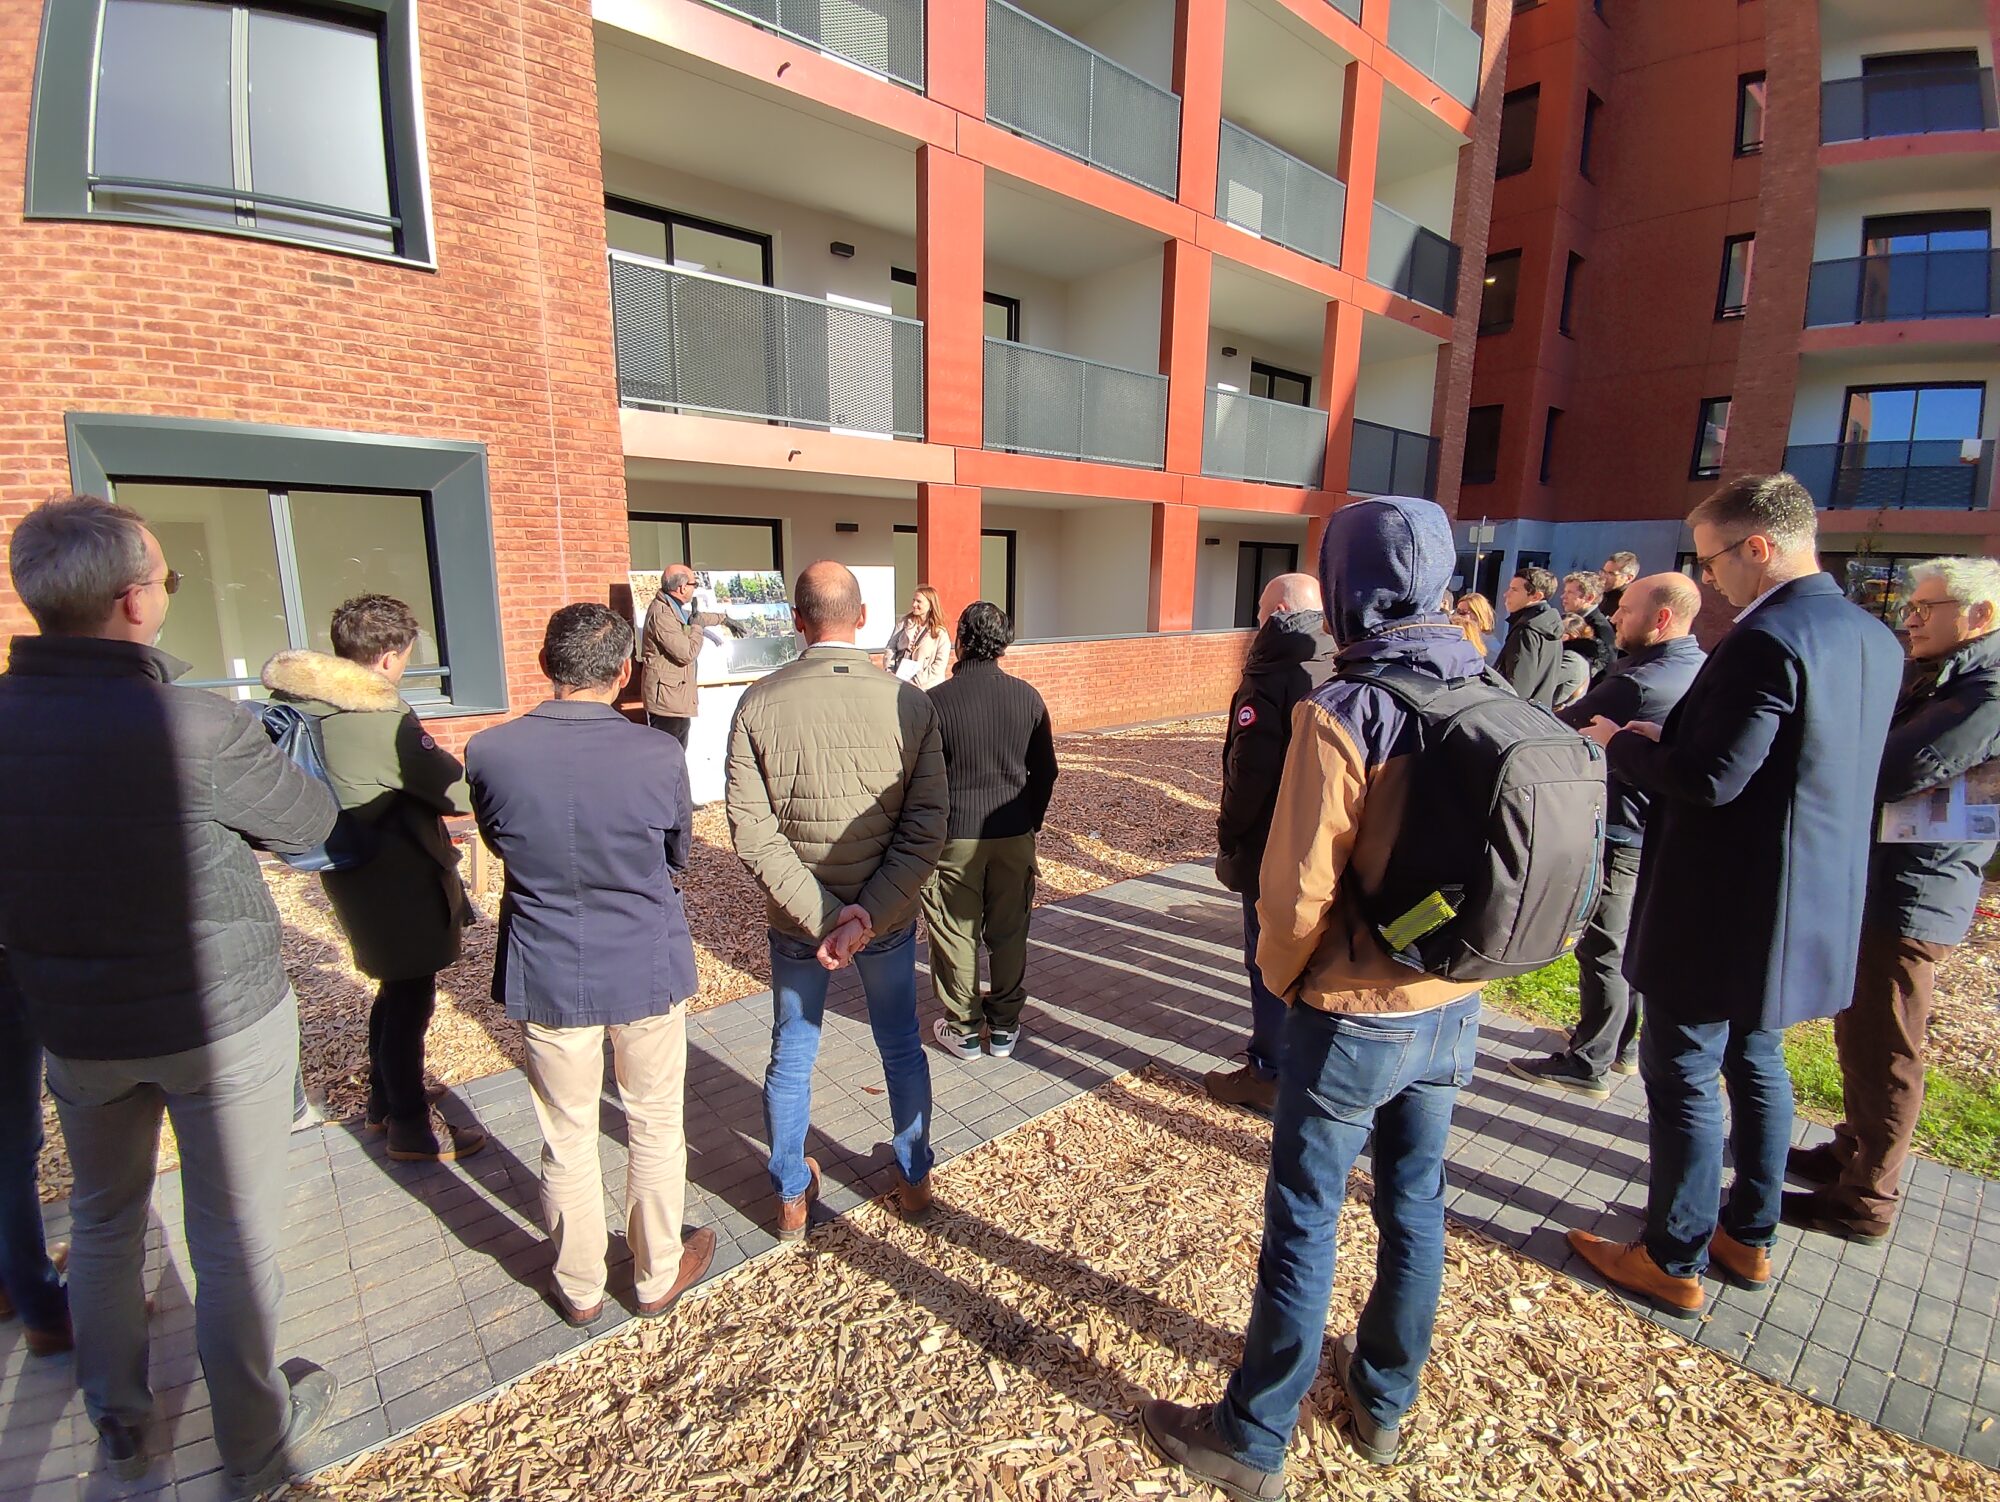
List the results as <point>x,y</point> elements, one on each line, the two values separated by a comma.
<point>1385,562</point>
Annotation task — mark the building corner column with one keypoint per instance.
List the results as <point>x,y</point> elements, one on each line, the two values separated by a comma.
<point>951,275</point>
<point>948,556</point>
<point>1184,312</point>
<point>1360,136</point>
<point>955,55</point>
<point>1199,26</point>
<point>1176,540</point>
<point>1339,379</point>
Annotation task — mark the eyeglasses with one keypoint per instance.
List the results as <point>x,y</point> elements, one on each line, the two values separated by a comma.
<point>1704,564</point>
<point>1919,611</point>
<point>170,581</point>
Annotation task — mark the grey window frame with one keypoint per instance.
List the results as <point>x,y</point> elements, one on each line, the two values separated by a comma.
<point>451,475</point>
<point>60,124</point>
<point>1743,82</point>
<point>1696,471</point>
<point>1725,311</point>
<point>1495,326</point>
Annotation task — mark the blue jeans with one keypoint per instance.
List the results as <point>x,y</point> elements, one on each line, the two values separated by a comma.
<point>888,969</point>
<point>26,1273</point>
<point>1267,1008</point>
<point>1680,1064</point>
<point>1340,1078</point>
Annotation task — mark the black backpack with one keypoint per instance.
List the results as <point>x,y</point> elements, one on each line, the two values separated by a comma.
<point>1495,869</point>
<point>297,734</point>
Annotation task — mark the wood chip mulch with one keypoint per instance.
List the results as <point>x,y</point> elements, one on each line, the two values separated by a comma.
<point>1097,1256</point>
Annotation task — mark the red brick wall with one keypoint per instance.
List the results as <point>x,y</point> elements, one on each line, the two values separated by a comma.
<point>507,343</point>
<point>1129,680</point>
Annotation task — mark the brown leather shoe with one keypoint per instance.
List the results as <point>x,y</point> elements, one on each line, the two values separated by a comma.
<point>792,1213</point>
<point>1242,1087</point>
<point>1631,1267</point>
<point>575,1318</point>
<point>915,1201</point>
<point>1831,1215</point>
<point>49,1342</point>
<point>1745,1266</point>
<point>1817,1166</point>
<point>697,1252</point>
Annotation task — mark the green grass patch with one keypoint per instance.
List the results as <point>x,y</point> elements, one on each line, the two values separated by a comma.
<point>1960,1124</point>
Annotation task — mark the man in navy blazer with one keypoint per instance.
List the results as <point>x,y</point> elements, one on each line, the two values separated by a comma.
<point>1750,889</point>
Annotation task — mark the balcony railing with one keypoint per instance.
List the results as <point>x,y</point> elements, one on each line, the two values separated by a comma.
<point>884,36</point>
<point>1272,193</point>
<point>1936,474</point>
<point>1065,407</point>
<point>1046,85</point>
<point>1407,258</point>
<point>1906,104</point>
<point>1914,284</point>
<point>1443,47</point>
<point>1255,438</point>
<point>1392,461</point>
<point>1348,8</point>
<point>702,343</point>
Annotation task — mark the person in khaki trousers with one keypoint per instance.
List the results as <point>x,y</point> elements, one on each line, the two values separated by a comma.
<point>591,815</point>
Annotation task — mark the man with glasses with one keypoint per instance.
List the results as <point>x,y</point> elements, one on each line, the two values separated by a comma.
<point>145,947</point>
<point>1762,794</point>
<point>669,651</point>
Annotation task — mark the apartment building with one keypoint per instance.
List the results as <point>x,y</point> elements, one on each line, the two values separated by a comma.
<point>1733,236</point>
<point>1091,307</point>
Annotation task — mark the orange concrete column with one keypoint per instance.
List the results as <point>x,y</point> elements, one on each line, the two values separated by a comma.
<point>948,544</point>
<point>1339,377</point>
<point>1315,534</point>
<point>951,275</point>
<point>1198,31</point>
<point>1176,540</point>
<point>1360,131</point>
<point>955,55</point>
<point>1184,351</point>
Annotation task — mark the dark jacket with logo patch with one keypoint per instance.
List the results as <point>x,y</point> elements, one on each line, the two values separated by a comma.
<point>1290,657</point>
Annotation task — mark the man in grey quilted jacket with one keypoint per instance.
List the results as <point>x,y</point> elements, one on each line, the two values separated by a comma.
<point>838,805</point>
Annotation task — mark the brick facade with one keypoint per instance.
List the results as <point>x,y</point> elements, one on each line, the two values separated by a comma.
<point>1128,680</point>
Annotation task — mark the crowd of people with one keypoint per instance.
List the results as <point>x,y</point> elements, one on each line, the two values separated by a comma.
<point>1736,796</point>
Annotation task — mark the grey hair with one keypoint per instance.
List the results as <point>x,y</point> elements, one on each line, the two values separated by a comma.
<point>72,557</point>
<point>1972,580</point>
<point>1777,506</point>
<point>675,575</point>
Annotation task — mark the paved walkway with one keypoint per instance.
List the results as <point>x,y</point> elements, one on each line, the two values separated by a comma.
<point>420,1287</point>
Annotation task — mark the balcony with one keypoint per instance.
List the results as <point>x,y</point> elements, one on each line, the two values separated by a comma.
<point>1930,474</point>
<point>1044,84</point>
<point>1392,461</point>
<point>1255,438</point>
<point>1416,262</point>
<point>1911,285</point>
<point>883,36</point>
<point>1348,8</point>
<point>1906,104</point>
<point>699,343</point>
<point>1273,194</point>
<point>1443,48</point>
<point>1066,407</point>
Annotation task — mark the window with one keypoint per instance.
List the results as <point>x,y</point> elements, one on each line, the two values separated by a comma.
<point>1571,271</point>
<point>274,527</point>
<point>1749,114</point>
<point>1549,442</point>
<point>1279,384</point>
<point>1002,313</point>
<point>688,243</point>
<point>1517,130</point>
<point>1257,564</point>
<point>1711,433</point>
<point>1482,445</point>
<point>1918,234</point>
<point>1591,105</point>
<point>1732,297</point>
<point>1913,93</point>
<point>288,123</point>
<point>659,539</point>
<point>1502,284</point>
<point>997,549</point>
<point>1924,266</point>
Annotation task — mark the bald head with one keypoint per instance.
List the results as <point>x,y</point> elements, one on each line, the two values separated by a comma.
<point>826,602</point>
<point>1287,593</point>
<point>1654,609</point>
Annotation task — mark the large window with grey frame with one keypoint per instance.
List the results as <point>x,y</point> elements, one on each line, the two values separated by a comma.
<point>660,539</point>
<point>273,527</point>
<point>288,122</point>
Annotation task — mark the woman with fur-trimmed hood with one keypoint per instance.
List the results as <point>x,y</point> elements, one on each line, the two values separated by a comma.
<point>402,910</point>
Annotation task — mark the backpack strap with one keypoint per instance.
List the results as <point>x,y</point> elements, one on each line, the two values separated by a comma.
<point>1415,690</point>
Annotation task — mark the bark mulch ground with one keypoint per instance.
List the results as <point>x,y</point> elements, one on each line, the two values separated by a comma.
<point>1097,1256</point>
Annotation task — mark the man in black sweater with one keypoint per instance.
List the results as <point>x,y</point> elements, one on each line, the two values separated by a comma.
<point>1000,760</point>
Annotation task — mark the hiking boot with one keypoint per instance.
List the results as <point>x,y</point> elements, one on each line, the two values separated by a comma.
<point>1000,1041</point>
<point>1819,1210</point>
<point>1627,1063</point>
<point>1186,1437</point>
<point>1564,1072</point>
<point>1748,1267</point>
<point>1375,1443</point>
<point>313,1392</point>
<point>1817,1166</point>
<point>792,1214</point>
<point>124,1448</point>
<point>1631,1267</point>
<point>377,1117</point>
<point>697,1253</point>
<point>915,1201</point>
<point>1242,1087</point>
<point>952,1041</point>
<point>433,1140</point>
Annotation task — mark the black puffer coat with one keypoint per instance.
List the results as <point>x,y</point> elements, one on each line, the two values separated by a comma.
<point>1290,656</point>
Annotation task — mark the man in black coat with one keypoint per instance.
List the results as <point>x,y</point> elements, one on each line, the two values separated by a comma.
<point>1762,785</point>
<point>1921,897</point>
<point>1654,621</point>
<point>1291,656</point>
<point>1531,659</point>
<point>1583,595</point>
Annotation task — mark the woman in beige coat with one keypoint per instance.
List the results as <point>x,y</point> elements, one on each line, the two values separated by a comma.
<point>919,649</point>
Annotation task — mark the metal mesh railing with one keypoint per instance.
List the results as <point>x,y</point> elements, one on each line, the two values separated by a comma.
<point>1917,103</point>
<point>1255,438</point>
<point>1348,8</point>
<point>703,343</point>
<point>1407,258</point>
<point>1272,193</point>
<point>885,36</point>
<point>1066,407</point>
<point>1391,461</point>
<point>1049,87</point>
<point>1445,48</point>
<point>1912,284</point>
<point>1944,474</point>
